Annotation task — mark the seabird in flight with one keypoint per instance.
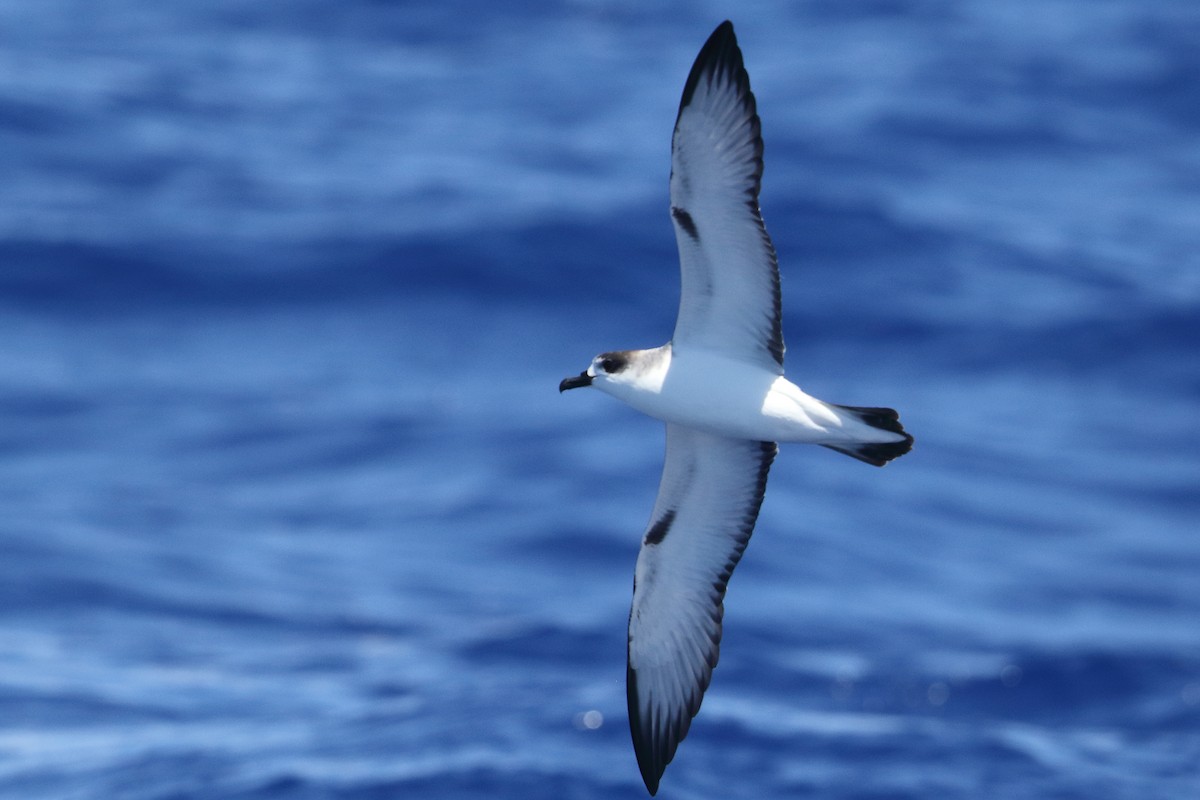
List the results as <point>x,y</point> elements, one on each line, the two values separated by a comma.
<point>719,387</point>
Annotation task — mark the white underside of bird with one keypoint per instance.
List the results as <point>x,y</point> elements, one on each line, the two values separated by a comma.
<point>714,392</point>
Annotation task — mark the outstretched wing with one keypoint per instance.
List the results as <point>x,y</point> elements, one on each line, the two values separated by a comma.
<point>729,300</point>
<point>707,504</point>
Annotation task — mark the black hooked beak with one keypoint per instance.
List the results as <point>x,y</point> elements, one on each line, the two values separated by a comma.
<point>582,379</point>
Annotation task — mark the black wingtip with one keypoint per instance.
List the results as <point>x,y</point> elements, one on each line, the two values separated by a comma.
<point>720,52</point>
<point>650,761</point>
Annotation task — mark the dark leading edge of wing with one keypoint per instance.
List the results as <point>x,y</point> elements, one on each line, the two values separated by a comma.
<point>730,294</point>
<point>708,501</point>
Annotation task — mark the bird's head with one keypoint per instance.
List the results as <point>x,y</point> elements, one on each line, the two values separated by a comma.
<point>605,369</point>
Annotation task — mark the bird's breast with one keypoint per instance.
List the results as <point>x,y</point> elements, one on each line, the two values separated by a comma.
<point>724,397</point>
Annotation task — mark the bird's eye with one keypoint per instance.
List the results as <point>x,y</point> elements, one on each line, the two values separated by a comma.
<point>611,363</point>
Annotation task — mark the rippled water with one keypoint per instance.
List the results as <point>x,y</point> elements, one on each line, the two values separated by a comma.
<point>292,507</point>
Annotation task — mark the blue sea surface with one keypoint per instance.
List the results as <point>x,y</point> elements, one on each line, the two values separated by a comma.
<point>291,507</point>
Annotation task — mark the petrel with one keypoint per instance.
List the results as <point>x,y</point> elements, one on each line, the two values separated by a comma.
<point>719,387</point>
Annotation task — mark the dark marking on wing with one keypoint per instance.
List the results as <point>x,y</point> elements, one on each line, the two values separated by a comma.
<point>686,222</point>
<point>659,530</point>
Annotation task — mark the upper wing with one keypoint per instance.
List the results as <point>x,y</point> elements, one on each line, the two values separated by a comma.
<point>708,500</point>
<point>730,279</point>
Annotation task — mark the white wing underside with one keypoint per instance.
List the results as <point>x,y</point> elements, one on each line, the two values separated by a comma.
<point>707,504</point>
<point>729,299</point>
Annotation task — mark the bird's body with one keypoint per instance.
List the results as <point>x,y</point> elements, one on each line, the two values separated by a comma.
<point>713,392</point>
<point>719,386</point>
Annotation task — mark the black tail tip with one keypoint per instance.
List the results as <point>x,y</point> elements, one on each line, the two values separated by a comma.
<point>876,453</point>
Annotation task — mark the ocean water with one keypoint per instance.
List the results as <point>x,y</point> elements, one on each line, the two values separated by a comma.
<point>290,506</point>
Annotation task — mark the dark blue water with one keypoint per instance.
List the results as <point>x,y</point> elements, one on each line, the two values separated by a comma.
<point>290,506</point>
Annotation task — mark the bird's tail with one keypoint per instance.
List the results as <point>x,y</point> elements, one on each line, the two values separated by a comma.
<point>876,453</point>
